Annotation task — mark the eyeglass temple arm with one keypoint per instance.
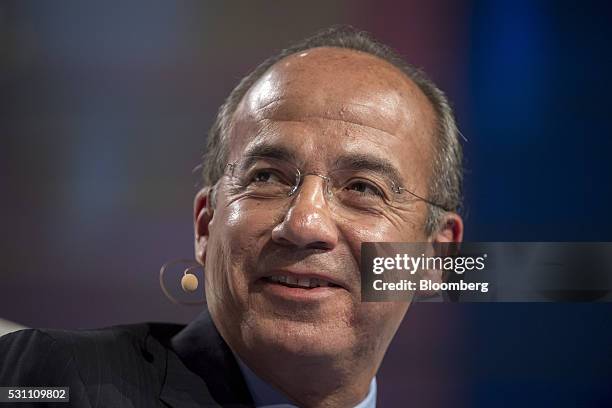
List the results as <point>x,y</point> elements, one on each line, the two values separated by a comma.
<point>402,189</point>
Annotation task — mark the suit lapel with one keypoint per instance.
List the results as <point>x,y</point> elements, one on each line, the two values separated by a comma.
<point>201,369</point>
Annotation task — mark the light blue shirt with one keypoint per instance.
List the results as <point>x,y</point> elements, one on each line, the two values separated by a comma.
<point>266,396</point>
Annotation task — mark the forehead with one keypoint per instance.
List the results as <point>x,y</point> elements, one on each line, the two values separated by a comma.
<point>346,99</point>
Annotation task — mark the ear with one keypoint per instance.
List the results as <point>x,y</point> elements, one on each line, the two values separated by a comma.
<point>450,230</point>
<point>202,216</point>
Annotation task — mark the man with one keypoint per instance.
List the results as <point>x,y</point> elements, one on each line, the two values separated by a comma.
<point>329,144</point>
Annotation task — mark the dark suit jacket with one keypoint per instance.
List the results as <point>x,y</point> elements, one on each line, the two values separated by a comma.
<point>140,365</point>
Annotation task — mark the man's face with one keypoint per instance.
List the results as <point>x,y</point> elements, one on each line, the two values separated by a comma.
<point>320,109</point>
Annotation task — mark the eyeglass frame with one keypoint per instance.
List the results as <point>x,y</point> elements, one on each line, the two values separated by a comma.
<point>300,179</point>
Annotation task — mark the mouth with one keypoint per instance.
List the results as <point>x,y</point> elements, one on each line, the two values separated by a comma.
<point>299,287</point>
<point>292,281</point>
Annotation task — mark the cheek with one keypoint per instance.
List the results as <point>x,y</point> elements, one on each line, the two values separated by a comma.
<point>382,230</point>
<point>237,234</point>
<point>246,226</point>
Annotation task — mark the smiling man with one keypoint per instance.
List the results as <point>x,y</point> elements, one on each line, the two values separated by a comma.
<point>331,143</point>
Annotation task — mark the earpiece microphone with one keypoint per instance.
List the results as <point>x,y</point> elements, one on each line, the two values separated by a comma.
<point>189,282</point>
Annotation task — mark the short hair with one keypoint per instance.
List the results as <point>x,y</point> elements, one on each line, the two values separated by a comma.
<point>447,172</point>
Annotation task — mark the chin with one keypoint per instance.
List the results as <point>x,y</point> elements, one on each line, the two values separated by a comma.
<point>299,338</point>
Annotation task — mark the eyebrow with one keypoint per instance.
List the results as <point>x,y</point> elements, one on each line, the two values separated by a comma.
<point>270,151</point>
<point>360,161</point>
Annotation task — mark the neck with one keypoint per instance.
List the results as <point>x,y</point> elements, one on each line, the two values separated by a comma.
<point>316,382</point>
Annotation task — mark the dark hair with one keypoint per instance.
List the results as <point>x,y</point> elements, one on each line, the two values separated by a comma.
<point>446,184</point>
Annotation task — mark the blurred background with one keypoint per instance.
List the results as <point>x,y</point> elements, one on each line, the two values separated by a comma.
<point>103,111</point>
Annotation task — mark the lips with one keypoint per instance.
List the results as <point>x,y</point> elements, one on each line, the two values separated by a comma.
<point>302,279</point>
<point>300,287</point>
<point>303,282</point>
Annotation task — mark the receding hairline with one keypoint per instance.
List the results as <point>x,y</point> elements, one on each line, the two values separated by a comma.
<point>388,65</point>
<point>425,106</point>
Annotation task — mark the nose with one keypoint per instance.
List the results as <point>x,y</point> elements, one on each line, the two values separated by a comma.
<point>308,222</point>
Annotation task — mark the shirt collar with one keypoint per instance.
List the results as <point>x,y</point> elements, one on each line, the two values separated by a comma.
<point>266,396</point>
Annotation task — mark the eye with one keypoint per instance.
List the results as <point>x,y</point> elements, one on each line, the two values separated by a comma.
<point>365,188</point>
<point>266,176</point>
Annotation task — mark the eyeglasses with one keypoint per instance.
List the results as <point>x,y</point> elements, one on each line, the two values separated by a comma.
<point>354,190</point>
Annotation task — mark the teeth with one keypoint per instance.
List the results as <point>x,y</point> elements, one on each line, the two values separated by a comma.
<point>302,282</point>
